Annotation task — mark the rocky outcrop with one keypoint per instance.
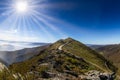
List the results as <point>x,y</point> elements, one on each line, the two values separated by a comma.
<point>97,75</point>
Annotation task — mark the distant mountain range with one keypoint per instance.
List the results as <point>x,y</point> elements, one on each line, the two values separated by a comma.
<point>14,51</point>
<point>20,55</point>
<point>95,46</point>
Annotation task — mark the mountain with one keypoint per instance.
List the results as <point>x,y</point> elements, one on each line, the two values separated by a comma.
<point>20,55</point>
<point>94,46</point>
<point>111,52</point>
<point>65,59</point>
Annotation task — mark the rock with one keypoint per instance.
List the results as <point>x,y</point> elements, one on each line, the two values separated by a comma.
<point>48,75</point>
<point>103,77</point>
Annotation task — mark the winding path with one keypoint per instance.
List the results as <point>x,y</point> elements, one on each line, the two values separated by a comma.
<point>61,46</point>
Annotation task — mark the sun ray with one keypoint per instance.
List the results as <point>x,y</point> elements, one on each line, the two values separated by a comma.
<point>8,21</point>
<point>42,27</point>
<point>45,21</point>
<point>29,20</point>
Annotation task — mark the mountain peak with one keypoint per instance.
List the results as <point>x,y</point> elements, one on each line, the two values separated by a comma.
<point>69,39</point>
<point>62,41</point>
<point>65,40</point>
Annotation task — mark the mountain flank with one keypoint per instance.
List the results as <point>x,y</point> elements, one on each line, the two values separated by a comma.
<point>112,53</point>
<point>21,55</point>
<point>66,59</point>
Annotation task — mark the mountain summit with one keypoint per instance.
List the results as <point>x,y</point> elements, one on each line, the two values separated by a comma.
<point>65,59</point>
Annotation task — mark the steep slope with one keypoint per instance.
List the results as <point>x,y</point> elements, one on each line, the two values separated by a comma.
<point>65,59</point>
<point>111,52</point>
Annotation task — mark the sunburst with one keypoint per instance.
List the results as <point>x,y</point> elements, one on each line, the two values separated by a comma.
<point>29,19</point>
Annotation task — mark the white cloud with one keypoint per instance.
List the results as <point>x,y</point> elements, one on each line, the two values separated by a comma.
<point>13,36</point>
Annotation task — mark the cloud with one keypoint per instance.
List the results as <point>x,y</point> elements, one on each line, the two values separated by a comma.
<point>13,36</point>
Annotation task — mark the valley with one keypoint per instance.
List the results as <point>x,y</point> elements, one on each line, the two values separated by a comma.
<point>112,53</point>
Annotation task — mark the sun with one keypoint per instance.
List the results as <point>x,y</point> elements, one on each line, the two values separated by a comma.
<point>21,6</point>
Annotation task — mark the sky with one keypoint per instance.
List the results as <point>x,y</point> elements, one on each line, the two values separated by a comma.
<point>88,21</point>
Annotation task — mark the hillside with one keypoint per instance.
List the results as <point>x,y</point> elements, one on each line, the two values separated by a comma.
<point>20,55</point>
<point>111,52</point>
<point>65,59</point>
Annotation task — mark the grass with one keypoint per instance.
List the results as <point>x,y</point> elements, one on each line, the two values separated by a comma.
<point>88,54</point>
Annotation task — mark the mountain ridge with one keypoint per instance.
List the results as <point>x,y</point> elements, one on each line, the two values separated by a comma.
<point>65,59</point>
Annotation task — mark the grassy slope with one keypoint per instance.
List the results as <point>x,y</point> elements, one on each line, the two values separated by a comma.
<point>112,53</point>
<point>62,62</point>
<point>52,54</point>
<point>88,54</point>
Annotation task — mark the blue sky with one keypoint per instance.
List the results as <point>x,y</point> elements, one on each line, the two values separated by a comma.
<point>89,21</point>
